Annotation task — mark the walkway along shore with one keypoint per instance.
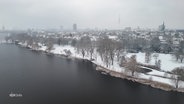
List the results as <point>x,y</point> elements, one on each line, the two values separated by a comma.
<point>153,84</point>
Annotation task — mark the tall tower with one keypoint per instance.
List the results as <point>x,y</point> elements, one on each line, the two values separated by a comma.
<point>75,27</point>
<point>119,20</point>
<point>162,27</point>
<point>61,28</point>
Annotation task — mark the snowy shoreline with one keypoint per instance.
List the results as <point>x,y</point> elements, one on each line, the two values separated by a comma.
<point>153,84</point>
<point>112,71</point>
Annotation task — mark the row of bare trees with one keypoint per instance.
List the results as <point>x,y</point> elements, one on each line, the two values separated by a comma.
<point>179,52</point>
<point>85,46</point>
<point>108,49</point>
<point>32,40</point>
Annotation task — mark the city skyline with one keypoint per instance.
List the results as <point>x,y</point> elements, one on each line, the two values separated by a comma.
<point>111,14</point>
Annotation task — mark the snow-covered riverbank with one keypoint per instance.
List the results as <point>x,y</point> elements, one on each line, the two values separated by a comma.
<point>153,76</point>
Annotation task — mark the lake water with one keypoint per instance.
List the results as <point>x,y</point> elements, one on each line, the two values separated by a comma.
<point>43,79</point>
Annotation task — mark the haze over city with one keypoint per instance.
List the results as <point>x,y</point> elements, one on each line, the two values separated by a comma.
<point>110,14</point>
<point>97,51</point>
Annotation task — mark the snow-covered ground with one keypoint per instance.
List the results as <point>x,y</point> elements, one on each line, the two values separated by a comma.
<point>156,78</point>
<point>168,62</point>
<point>60,49</point>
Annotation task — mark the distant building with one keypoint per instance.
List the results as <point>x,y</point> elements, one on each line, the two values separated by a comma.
<point>3,28</point>
<point>75,27</point>
<point>61,28</point>
<point>128,29</point>
<point>161,27</point>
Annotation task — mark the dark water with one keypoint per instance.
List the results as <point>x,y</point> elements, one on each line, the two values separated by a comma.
<point>45,79</point>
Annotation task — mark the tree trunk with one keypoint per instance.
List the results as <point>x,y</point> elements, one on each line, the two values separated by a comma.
<point>132,73</point>
<point>83,53</point>
<point>91,55</point>
<point>177,58</point>
<point>177,83</point>
<point>181,60</point>
<point>112,59</point>
<point>118,56</point>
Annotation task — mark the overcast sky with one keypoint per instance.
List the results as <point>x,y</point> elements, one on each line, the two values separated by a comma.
<point>91,13</point>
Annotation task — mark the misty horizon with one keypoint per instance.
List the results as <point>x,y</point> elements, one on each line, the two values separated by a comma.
<point>101,14</point>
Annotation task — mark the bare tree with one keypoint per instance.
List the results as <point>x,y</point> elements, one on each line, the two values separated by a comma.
<point>7,38</point>
<point>35,46</point>
<point>179,54</point>
<point>123,61</point>
<point>147,57</point>
<point>155,44</point>
<point>49,47</point>
<point>156,57</point>
<point>181,57</point>
<point>107,49</point>
<point>83,53</point>
<point>101,48</point>
<point>111,50</point>
<point>68,52</point>
<point>119,50</point>
<point>159,64</point>
<point>178,74</point>
<point>91,51</point>
<point>29,42</point>
<point>83,45</point>
<point>132,64</point>
<point>106,59</point>
<point>49,44</point>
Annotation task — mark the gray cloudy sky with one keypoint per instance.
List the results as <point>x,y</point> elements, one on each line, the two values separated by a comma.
<point>91,13</point>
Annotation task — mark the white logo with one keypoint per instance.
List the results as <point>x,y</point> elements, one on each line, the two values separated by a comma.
<point>15,95</point>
